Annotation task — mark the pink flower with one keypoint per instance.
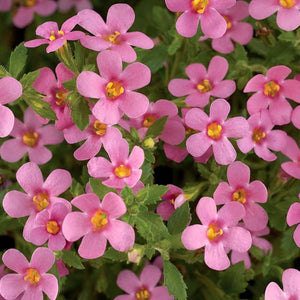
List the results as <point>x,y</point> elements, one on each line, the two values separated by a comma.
<point>31,279</point>
<point>173,199</point>
<point>114,88</point>
<point>61,268</point>
<point>239,32</point>
<point>202,84</point>
<point>10,90</point>
<point>257,241</point>
<point>30,137</point>
<point>25,12</point>
<point>218,232</point>
<point>290,280</point>
<point>143,287</point>
<point>175,153</point>
<point>5,5</point>
<point>66,5</point>
<point>241,190</point>
<point>113,35</point>
<point>55,93</point>
<point>293,218</point>
<point>288,16</point>
<point>292,151</point>
<point>272,90</point>
<point>261,137</point>
<point>39,195</point>
<point>124,169</point>
<point>95,135</point>
<point>206,12</point>
<point>214,131</point>
<point>47,227</point>
<point>98,223</point>
<point>55,37</point>
<point>296,117</point>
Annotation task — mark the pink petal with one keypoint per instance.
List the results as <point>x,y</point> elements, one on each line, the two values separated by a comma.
<point>223,44</point>
<point>292,169</point>
<point>173,133</point>
<point>290,279</point>
<point>217,68</point>
<point>55,45</point>
<point>256,217</point>
<point>15,260</point>
<point>63,73</point>
<point>242,33</point>
<point>120,17</point>
<point>50,286</point>
<point>257,102</point>
<point>39,236</point>
<point>276,140</point>
<point>288,19</point>
<point>13,150</point>
<point>236,127</point>
<point>93,245</point>
<point>181,87</point>
<point>88,203</point>
<point>161,293</point>
<point>231,213</point>
<point>17,204</point>
<point>150,276</point>
<point>56,242</point>
<point>196,72</point>
<point>224,152</point>
<point>262,9</point>
<point>290,88</point>
<point>219,110</point>
<point>89,149</point>
<point>197,144</point>
<point>293,215</point>
<point>206,210</point>
<point>238,174</point>
<point>296,236</point>
<point>69,24</point>
<point>177,5</point>
<point>95,43</point>
<point>109,64</point>
<point>238,239</point>
<point>23,17</point>
<point>74,135</point>
<point>215,257</point>
<point>213,24</point>
<point>136,157</point>
<point>31,120</point>
<point>138,39</point>
<point>125,51</point>
<point>273,292</point>
<point>100,167</point>
<point>223,193</point>
<point>255,84</point>
<point>45,82</point>
<point>58,182</point>
<point>257,192</point>
<point>223,89</point>
<point>6,122</point>
<point>280,112</point>
<point>42,259</point>
<point>10,90</point>
<point>90,84</point>
<point>36,43</point>
<point>165,209</point>
<point>128,281</point>
<point>92,22</point>
<point>196,119</point>
<point>107,112</point>
<point>278,73</point>
<point>239,11</point>
<point>45,8</point>
<point>39,155</point>
<point>133,179</point>
<point>50,135</point>
<point>12,285</point>
<point>244,257</point>
<point>114,205</point>
<point>194,237</point>
<point>117,150</point>
<point>246,144</point>
<point>165,108</point>
<point>291,150</point>
<point>187,24</point>
<point>296,117</point>
<point>263,152</point>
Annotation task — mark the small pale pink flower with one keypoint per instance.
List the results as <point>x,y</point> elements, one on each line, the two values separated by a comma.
<point>115,88</point>
<point>214,131</point>
<point>97,223</point>
<point>219,232</point>
<point>172,199</point>
<point>202,84</point>
<point>293,218</point>
<point>95,135</point>
<point>48,227</point>
<point>66,5</point>
<point>39,195</point>
<point>124,169</point>
<point>288,15</point>
<point>31,279</point>
<point>10,90</point>
<point>55,37</point>
<point>291,288</point>
<point>271,91</point>
<point>239,32</point>
<point>292,151</point>
<point>241,190</point>
<point>257,241</point>
<point>144,286</point>
<point>261,137</point>
<point>113,35</point>
<point>30,137</point>
<point>206,12</point>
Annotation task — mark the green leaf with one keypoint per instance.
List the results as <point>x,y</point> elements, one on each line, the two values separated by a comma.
<point>157,128</point>
<point>175,45</point>
<point>72,259</point>
<point>162,19</point>
<point>3,72</point>
<point>79,110</point>
<point>79,53</point>
<point>100,189</point>
<point>17,60</point>
<point>70,85</point>
<point>28,79</point>
<point>134,134</point>
<point>174,281</point>
<point>180,219</point>
<point>115,255</point>
<point>151,194</point>
<point>127,195</point>
<point>76,188</point>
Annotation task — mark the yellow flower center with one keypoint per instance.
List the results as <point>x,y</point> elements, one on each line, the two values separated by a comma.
<point>214,130</point>
<point>149,120</point>
<point>33,276</point>
<point>142,294</point>
<point>52,227</point>
<point>200,5</point>
<point>99,220</point>
<point>41,201</point>
<point>122,171</point>
<point>271,89</point>
<point>213,232</point>
<point>113,38</point>
<point>100,128</point>
<point>114,89</point>
<point>30,138</point>
<point>53,36</point>
<point>239,196</point>
<point>204,86</point>
<point>229,24</point>
<point>258,135</point>
<point>30,3</point>
<point>287,3</point>
<point>60,97</point>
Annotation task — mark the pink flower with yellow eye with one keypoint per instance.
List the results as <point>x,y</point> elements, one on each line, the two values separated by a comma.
<point>214,131</point>
<point>124,169</point>
<point>203,83</point>
<point>241,190</point>
<point>97,223</point>
<point>30,137</point>
<point>55,37</point>
<point>271,91</point>
<point>115,88</point>
<point>39,195</point>
<point>31,279</point>
<point>113,34</point>
<point>218,233</point>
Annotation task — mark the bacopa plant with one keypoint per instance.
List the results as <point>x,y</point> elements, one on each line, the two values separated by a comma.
<point>150,150</point>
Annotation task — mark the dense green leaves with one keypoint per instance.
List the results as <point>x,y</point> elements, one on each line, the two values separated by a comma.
<point>151,194</point>
<point>180,219</point>
<point>100,189</point>
<point>72,259</point>
<point>17,60</point>
<point>157,128</point>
